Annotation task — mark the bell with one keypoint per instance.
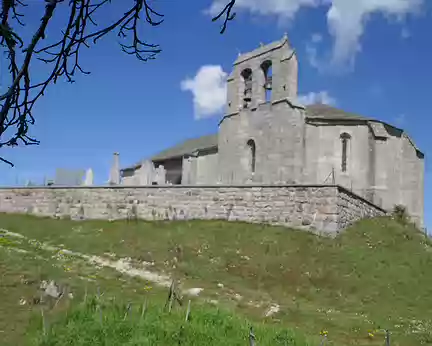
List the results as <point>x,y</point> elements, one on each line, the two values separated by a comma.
<point>247,93</point>
<point>268,83</point>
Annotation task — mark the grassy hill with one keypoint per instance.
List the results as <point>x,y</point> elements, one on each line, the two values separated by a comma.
<point>377,275</point>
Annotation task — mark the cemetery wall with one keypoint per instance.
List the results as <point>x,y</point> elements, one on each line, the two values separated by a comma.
<point>324,208</point>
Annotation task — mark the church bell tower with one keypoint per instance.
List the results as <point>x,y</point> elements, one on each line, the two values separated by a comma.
<point>261,134</point>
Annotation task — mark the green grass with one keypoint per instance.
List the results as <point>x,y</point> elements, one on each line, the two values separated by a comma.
<point>377,274</point>
<point>109,323</point>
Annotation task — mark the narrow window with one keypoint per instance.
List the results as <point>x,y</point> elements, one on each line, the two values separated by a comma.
<point>247,93</point>
<point>266,67</point>
<point>345,137</point>
<point>252,151</point>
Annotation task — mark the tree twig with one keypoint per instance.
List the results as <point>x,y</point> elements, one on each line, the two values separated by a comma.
<point>229,15</point>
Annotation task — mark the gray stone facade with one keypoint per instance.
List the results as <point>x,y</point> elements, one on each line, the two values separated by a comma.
<point>324,208</point>
<point>267,137</point>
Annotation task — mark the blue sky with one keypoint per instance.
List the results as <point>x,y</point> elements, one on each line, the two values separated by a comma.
<point>369,56</point>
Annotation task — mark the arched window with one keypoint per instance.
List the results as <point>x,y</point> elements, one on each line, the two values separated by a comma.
<point>252,151</point>
<point>247,93</point>
<point>266,67</point>
<point>345,138</point>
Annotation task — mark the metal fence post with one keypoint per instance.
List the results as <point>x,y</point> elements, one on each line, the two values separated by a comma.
<point>251,337</point>
<point>387,337</point>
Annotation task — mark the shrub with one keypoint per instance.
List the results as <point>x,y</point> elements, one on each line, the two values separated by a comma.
<point>400,214</point>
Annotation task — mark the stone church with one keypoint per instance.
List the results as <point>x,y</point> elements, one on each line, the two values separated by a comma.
<point>267,137</point>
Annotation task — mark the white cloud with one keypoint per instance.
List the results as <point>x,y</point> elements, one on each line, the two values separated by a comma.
<point>322,97</point>
<point>285,9</point>
<point>312,52</point>
<point>346,19</point>
<point>208,88</point>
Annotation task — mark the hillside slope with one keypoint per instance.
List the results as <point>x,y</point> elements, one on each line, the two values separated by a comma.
<point>376,275</point>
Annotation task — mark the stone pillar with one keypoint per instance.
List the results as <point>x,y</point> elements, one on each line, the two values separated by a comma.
<point>186,170</point>
<point>88,181</point>
<point>189,171</point>
<point>114,178</point>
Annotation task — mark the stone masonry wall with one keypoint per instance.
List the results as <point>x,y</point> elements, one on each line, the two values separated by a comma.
<point>321,208</point>
<point>352,208</point>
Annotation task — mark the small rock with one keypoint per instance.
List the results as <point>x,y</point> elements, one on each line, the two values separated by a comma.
<point>307,221</point>
<point>52,290</point>
<point>272,310</point>
<point>22,301</point>
<point>43,285</point>
<point>194,291</point>
<point>220,285</point>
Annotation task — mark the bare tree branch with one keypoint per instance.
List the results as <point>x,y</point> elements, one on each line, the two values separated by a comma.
<point>62,56</point>
<point>228,15</point>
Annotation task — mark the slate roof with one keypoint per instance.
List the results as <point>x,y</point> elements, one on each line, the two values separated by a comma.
<point>188,147</point>
<point>326,112</point>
